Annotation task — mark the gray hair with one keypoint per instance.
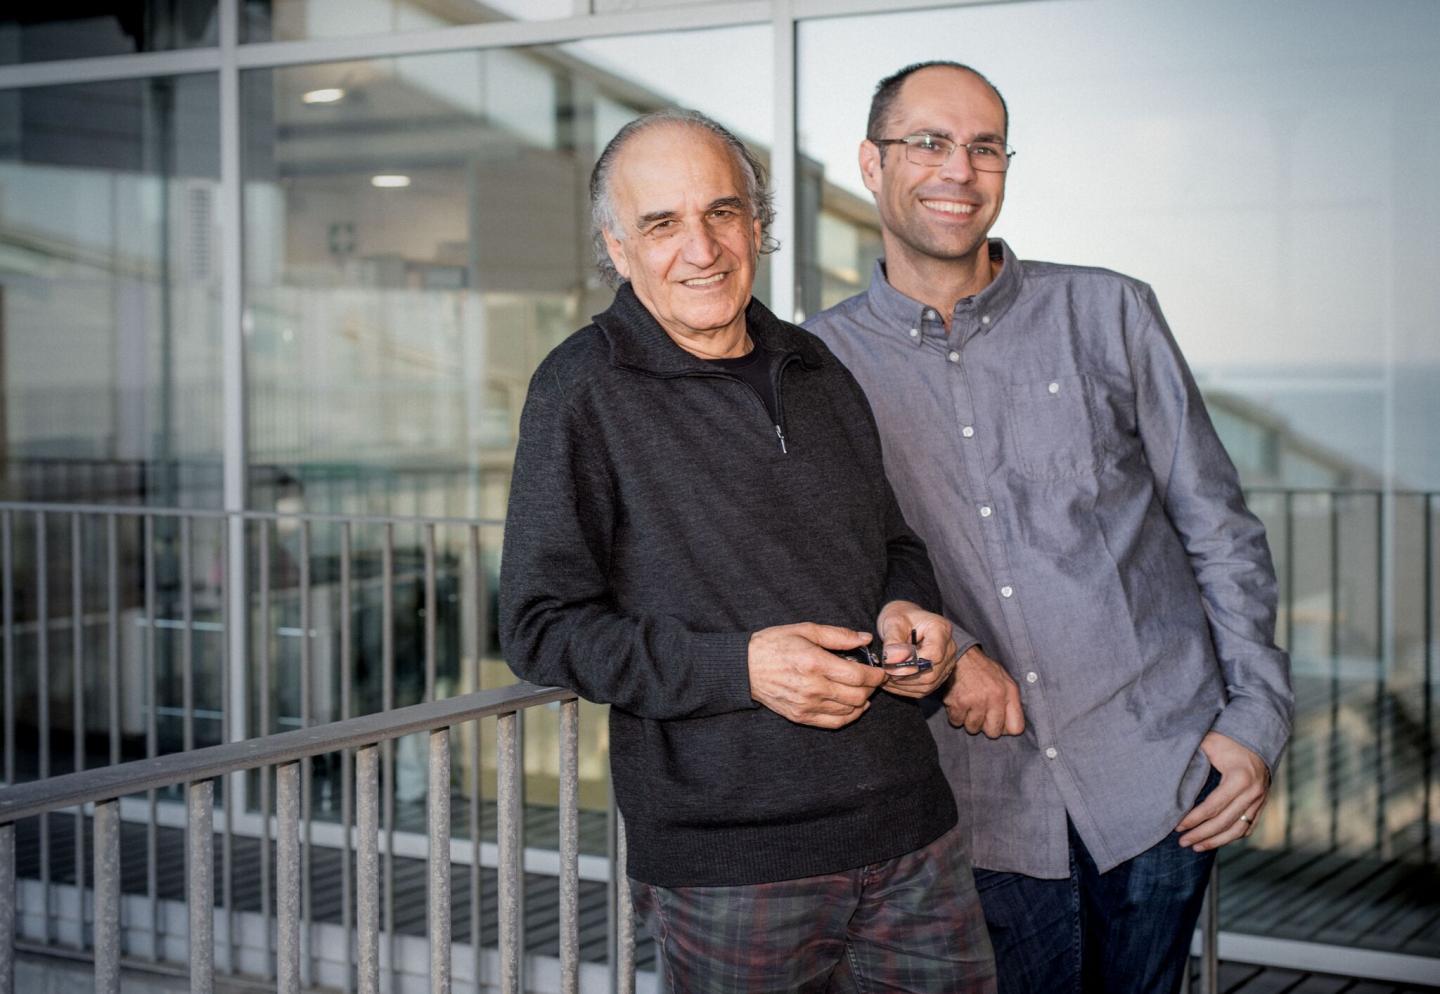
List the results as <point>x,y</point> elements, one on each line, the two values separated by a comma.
<point>602,207</point>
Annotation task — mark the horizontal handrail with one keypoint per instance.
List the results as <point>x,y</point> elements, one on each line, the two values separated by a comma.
<point>211,513</point>
<point>104,783</point>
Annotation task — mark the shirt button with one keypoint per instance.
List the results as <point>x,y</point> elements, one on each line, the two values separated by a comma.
<point>1031,677</point>
<point>1054,388</point>
<point>914,332</point>
<point>1050,753</point>
<point>985,511</point>
<point>1006,590</point>
<point>984,319</point>
<point>968,432</point>
<point>954,357</point>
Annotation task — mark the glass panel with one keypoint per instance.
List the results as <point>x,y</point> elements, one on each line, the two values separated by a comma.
<point>414,247</point>
<point>34,32</point>
<point>291,20</point>
<point>1269,170</point>
<point>109,291</point>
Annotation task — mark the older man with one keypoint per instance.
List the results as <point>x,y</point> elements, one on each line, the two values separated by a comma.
<point>1048,443</point>
<point>698,524</point>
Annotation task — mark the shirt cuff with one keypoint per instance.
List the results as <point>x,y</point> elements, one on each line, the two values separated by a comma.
<point>1255,726</point>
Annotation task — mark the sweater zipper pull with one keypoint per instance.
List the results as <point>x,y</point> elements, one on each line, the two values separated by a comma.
<point>780,434</point>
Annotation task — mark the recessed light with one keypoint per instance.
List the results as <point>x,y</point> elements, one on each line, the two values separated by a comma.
<point>327,95</point>
<point>390,181</point>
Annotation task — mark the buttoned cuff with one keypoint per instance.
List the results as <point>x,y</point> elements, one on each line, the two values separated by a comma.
<point>1256,726</point>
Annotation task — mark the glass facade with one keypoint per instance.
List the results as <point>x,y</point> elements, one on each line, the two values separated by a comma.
<point>110,327</point>
<point>413,238</point>
<point>74,29</point>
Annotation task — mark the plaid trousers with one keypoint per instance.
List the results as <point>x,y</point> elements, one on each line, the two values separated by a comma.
<point>908,925</point>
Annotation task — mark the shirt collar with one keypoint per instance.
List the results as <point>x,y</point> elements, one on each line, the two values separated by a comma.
<point>637,340</point>
<point>973,315</point>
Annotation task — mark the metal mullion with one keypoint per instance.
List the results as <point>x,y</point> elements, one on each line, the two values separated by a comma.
<point>307,965</point>
<point>233,780</point>
<point>7,909</point>
<point>387,750</point>
<point>347,787</point>
<point>1333,744</point>
<point>42,693</point>
<point>783,263</point>
<point>77,713</point>
<point>429,612</point>
<point>502,34</point>
<point>1382,716</point>
<point>1289,576</point>
<point>187,638</point>
<point>140,65</point>
<point>152,739</point>
<point>1427,747</point>
<point>263,653</point>
<point>7,617</point>
<point>112,629</point>
<point>479,612</point>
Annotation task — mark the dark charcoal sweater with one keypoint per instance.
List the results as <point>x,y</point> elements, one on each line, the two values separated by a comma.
<point>655,522</point>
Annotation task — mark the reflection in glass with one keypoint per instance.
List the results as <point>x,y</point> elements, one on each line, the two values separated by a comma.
<point>109,290</point>
<point>292,20</point>
<point>36,32</point>
<point>1290,268</point>
<point>417,238</point>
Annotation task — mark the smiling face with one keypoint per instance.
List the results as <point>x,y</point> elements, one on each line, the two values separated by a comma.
<point>689,240</point>
<point>932,214</point>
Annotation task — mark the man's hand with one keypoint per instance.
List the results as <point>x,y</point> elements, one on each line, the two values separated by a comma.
<point>983,698</point>
<point>1230,811</point>
<point>934,641</point>
<point>792,674</point>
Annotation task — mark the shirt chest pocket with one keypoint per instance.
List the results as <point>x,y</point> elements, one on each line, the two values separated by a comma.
<point>1051,428</point>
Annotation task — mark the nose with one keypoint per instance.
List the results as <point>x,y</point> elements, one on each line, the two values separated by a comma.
<point>958,167</point>
<point>701,247</point>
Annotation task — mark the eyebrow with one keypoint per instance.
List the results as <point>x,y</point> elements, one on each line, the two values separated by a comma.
<point>984,136</point>
<point>645,220</point>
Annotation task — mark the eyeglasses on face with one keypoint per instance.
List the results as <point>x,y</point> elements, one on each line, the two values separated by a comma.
<point>932,150</point>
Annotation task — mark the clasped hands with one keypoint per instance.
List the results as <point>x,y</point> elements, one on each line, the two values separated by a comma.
<point>795,673</point>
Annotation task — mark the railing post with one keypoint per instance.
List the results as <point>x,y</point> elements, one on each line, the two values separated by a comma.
<point>1210,963</point>
<point>570,847</point>
<point>367,868</point>
<point>287,865</point>
<point>511,855</point>
<point>624,911</point>
<point>107,897</point>
<point>438,861</point>
<point>201,889</point>
<point>8,899</point>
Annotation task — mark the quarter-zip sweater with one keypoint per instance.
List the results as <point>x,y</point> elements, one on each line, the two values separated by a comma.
<point>657,519</point>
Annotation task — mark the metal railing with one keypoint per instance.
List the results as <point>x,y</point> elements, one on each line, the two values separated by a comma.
<point>368,736</point>
<point>182,628</point>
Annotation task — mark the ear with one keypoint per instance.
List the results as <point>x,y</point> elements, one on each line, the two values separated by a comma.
<point>756,238</point>
<point>617,254</point>
<point>870,166</point>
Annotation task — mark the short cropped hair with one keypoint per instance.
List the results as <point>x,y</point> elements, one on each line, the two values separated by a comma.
<point>602,206</point>
<point>889,88</point>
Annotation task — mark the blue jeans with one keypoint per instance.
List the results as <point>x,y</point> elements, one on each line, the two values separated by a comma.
<point>1122,932</point>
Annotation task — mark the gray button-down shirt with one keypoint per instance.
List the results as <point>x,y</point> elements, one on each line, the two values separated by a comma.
<point>1088,530</point>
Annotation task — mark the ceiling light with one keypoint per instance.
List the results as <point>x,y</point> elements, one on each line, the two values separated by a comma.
<point>327,95</point>
<point>390,181</point>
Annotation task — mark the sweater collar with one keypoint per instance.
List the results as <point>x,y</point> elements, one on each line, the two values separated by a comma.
<point>638,342</point>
